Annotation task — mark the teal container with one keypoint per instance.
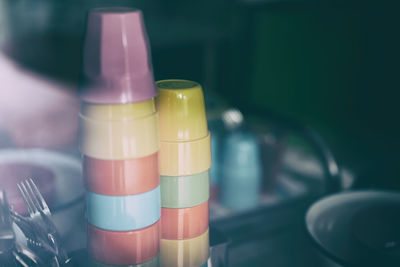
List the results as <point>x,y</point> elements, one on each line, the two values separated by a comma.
<point>240,186</point>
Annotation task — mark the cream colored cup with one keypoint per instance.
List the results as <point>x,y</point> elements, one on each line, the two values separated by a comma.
<point>187,252</point>
<point>119,112</point>
<point>185,158</point>
<point>119,139</point>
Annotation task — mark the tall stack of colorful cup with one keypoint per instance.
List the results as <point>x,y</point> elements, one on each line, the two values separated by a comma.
<point>185,159</point>
<point>119,140</point>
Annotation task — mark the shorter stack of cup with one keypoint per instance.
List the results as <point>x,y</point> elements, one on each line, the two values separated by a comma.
<point>119,141</point>
<point>185,159</point>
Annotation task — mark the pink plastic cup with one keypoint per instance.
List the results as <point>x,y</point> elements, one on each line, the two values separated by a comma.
<point>117,66</point>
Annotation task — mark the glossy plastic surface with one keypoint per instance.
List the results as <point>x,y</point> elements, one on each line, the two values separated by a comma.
<point>185,191</point>
<point>182,253</point>
<point>118,112</point>
<point>184,223</point>
<point>117,140</point>
<point>182,111</point>
<point>185,158</point>
<point>123,213</point>
<point>117,64</point>
<point>121,177</point>
<point>124,248</point>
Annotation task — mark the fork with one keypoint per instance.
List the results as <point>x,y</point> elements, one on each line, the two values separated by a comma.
<point>7,236</point>
<point>29,230</point>
<point>26,257</point>
<point>40,214</point>
<point>6,232</point>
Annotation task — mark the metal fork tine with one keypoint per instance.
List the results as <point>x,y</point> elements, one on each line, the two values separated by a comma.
<point>32,196</point>
<point>38,195</point>
<point>29,196</point>
<point>25,198</point>
<point>42,216</point>
<point>2,206</point>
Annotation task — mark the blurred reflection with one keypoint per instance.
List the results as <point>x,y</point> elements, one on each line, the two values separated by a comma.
<point>36,111</point>
<point>263,162</point>
<point>232,118</point>
<point>46,36</point>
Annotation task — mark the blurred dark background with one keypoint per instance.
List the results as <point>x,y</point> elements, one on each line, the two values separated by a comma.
<point>333,65</point>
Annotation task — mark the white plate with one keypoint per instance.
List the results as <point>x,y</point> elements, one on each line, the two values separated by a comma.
<point>69,200</point>
<point>330,222</point>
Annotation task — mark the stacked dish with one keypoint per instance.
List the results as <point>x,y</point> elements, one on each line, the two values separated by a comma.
<point>185,159</point>
<point>119,140</point>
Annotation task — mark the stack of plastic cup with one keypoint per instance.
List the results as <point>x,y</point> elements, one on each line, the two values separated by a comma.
<point>185,159</point>
<point>119,140</point>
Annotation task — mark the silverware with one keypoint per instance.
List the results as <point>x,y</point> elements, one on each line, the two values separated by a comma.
<point>24,224</point>
<point>26,257</point>
<point>7,236</point>
<point>35,241</point>
<point>40,215</point>
<point>13,253</point>
<point>31,203</point>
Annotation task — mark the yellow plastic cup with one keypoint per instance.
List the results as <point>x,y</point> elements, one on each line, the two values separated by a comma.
<point>180,104</point>
<point>185,140</point>
<point>119,139</point>
<point>187,252</point>
<point>119,112</point>
<point>185,158</point>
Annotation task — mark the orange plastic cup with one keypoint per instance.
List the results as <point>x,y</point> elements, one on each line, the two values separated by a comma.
<point>184,223</point>
<point>121,177</point>
<point>124,248</point>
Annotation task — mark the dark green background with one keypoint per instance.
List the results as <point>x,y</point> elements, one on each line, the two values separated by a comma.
<point>333,65</point>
